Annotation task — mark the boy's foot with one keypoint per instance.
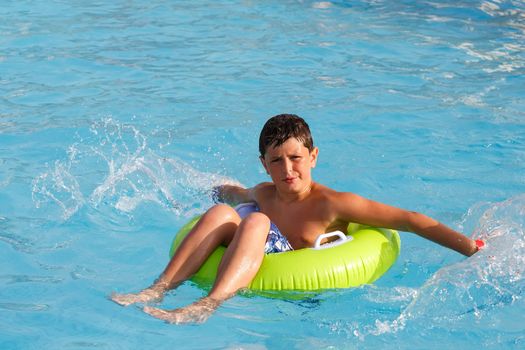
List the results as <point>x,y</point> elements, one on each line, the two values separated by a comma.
<point>197,312</point>
<point>147,295</point>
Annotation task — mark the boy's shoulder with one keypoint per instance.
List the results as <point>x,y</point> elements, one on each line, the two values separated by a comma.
<point>264,186</point>
<point>330,197</point>
<point>325,192</point>
<point>263,189</point>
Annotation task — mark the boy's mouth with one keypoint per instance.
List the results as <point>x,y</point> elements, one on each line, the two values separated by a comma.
<point>289,180</point>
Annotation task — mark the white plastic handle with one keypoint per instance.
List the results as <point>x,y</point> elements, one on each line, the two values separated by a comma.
<point>342,238</point>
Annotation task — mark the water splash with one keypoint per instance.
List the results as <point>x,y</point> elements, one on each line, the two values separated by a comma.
<point>114,166</point>
<point>479,289</point>
<point>58,186</point>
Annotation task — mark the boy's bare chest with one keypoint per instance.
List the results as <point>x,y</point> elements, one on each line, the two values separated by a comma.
<point>299,225</point>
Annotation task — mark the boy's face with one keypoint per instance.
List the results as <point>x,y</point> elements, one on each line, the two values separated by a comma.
<point>289,165</point>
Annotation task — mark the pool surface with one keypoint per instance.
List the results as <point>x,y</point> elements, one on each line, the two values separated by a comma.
<point>116,119</point>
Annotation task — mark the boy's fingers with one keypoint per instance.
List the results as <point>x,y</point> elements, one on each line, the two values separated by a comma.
<point>480,244</point>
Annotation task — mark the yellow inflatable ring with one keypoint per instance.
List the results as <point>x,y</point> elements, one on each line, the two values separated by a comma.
<point>361,259</point>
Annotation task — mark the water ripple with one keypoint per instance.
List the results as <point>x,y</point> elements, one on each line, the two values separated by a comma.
<point>13,279</point>
<point>24,307</point>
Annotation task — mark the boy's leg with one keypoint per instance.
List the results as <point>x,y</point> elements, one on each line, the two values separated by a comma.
<point>238,267</point>
<point>217,226</point>
<point>242,259</point>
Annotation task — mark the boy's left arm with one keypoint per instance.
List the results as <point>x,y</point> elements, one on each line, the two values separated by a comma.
<point>354,208</point>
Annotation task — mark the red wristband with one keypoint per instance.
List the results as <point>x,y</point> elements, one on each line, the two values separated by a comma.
<point>479,243</point>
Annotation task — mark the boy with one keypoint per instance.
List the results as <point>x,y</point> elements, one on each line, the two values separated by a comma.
<point>277,222</point>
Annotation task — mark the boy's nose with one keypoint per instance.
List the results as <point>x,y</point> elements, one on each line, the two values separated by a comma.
<point>288,166</point>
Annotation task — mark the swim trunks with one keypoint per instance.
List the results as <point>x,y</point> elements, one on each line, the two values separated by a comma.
<point>276,242</point>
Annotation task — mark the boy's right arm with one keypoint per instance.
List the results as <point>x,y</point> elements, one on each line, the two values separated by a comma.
<point>232,194</point>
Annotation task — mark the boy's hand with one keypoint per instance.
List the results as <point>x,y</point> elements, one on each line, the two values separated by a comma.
<point>216,194</point>
<point>231,193</point>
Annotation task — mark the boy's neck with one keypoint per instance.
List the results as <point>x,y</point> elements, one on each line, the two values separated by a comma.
<point>294,197</point>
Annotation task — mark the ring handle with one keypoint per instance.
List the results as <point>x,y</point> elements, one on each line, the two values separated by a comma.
<point>342,238</point>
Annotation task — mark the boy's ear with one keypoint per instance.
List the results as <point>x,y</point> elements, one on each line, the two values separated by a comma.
<point>261,158</point>
<point>313,156</point>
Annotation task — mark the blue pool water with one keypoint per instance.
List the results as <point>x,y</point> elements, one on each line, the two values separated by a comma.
<point>116,118</point>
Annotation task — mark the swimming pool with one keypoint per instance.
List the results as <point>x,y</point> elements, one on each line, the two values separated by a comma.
<point>117,118</point>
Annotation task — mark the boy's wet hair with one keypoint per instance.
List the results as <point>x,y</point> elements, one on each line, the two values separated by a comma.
<point>280,128</point>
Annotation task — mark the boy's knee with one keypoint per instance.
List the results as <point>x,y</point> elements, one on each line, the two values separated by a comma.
<point>224,211</point>
<point>257,222</point>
